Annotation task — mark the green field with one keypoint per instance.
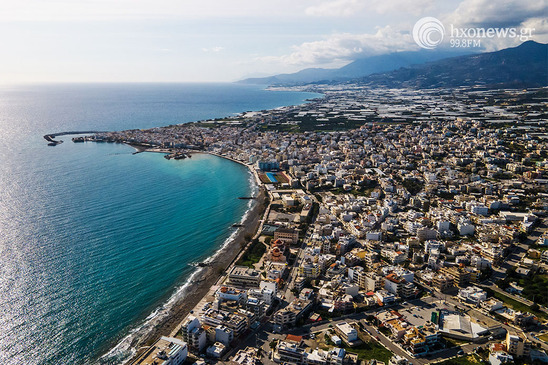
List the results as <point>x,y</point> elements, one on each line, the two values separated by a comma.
<point>371,350</point>
<point>252,255</point>
<point>534,288</point>
<point>472,359</point>
<point>518,306</point>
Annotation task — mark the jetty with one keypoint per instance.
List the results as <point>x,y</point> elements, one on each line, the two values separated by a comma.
<point>176,156</point>
<point>53,142</point>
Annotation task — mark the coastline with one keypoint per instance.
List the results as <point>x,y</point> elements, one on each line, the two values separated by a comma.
<point>199,283</point>
<point>109,335</point>
<point>165,318</point>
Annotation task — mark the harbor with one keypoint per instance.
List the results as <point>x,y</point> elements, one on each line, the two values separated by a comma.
<point>53,142</point>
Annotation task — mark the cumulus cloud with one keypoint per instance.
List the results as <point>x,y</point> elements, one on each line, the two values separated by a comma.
<point>489,13</point>
<point>337,8</point>
<point>539,28</point>
<point>341,48</point>
<point>528,18</point>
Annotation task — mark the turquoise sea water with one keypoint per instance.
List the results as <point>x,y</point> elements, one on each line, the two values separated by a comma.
<point>94,240</point>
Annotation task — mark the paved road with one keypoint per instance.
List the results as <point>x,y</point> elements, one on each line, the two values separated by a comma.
<point>263,336</point>
<point>386,342</point>
<point>289,296</point>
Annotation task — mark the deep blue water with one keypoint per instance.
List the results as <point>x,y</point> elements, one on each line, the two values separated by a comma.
<point>94,239</point>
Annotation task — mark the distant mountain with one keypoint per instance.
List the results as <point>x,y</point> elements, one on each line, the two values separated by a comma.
<point>359,68</point>
<point>304,76</point>
<point>522,66</point>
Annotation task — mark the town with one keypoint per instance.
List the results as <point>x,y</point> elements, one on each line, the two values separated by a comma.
<point>400,227</point>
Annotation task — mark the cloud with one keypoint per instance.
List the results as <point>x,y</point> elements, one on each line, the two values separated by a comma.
<point>344,47</point>
<point>346,8</point>
<point>531,29</point>
<point>213,49</point>
<point>539,28</point>
<point>525,16</point>
<point>489,13</point>
<point>337,49</point>
<point>336,8</point>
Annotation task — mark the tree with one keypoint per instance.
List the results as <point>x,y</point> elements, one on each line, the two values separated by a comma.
<point>503,283</point>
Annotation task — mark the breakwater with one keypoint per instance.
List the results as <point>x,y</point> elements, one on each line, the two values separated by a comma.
<point>53,142</point>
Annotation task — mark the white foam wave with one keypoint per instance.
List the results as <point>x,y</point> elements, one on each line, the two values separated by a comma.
<point>124,350</point>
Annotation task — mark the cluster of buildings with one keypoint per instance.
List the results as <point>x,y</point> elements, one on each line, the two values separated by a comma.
<point>293,350</point>
<point>429,191</point>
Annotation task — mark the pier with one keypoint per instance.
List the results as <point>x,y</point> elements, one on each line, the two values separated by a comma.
<point>53,142</point>
<point>177,156</point>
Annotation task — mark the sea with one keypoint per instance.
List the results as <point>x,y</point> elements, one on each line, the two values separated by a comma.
<point>96,242</point>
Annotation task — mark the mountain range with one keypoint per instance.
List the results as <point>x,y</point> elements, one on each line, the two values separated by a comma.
<point>358,68</point>
<point>518,67</point>
<point>522,66</point>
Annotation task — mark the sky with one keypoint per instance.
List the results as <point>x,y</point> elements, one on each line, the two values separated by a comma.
<point>227,40</point>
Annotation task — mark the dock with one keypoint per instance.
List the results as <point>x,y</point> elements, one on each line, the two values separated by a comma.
<point>177,156</point>
<point>53,142</point>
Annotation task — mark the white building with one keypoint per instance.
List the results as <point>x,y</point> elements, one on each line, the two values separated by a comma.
<point>347,332</point>
<point>216,350</point>
<point>193,334</point>
<point>167,351</point>
<point>385,297</point>
<point>491,305</point>
<point>465,228</point>
<point>472,294</point>
<point>224,335</point>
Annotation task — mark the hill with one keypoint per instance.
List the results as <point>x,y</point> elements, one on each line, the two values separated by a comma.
<point>359,68</point>
<point>522,66</point>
